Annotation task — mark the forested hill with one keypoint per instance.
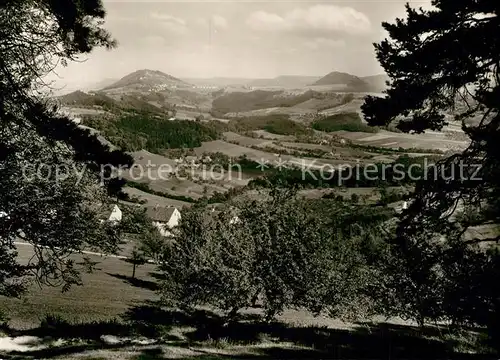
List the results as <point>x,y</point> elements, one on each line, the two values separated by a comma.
<point>134,132</point>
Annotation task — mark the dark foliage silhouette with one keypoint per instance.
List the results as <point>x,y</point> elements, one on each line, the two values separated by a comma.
<point>443,61</point>
<point>56,213</point>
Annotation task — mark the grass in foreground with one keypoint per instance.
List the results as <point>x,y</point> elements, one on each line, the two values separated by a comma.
<point>112,303</point>
<point>204,334</point>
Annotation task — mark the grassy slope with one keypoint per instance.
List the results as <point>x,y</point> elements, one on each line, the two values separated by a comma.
<point>103,296</point>
<point>109,294</point>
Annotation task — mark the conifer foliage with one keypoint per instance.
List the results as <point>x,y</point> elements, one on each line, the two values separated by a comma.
<point>447,61</point>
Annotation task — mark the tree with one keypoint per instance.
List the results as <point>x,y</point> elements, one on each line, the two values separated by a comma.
<point>50,168</point>
<point>153,243</point>
<point>447,61</point>
<point>137,258</point>
<point>276,249</point>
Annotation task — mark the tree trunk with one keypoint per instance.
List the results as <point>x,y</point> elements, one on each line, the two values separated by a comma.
<point>133,271</point>
<point>255,298</point>
<point>233,313</point>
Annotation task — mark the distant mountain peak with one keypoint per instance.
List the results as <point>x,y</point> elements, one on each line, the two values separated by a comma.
<point>337,78</point>
<point>148,79</point>
<point>375,83</point>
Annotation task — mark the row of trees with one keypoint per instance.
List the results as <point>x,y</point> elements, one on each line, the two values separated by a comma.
<point>404,170</point>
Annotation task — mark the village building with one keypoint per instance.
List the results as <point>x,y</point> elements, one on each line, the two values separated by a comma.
<point>111,213</point>
<point>164,218</point>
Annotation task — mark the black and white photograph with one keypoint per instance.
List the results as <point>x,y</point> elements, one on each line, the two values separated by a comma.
<point>249,180</point>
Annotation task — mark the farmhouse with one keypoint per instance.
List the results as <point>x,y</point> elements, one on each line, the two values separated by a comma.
<point>111,213</point>
<point>164,218</point>
<point>116,214</point>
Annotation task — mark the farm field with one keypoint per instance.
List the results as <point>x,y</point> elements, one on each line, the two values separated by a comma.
<point>429,140</point>
<point>353,106</point>
<point>267,135</point>
<point>206,184</point>
<point>179,180</point>
<point>372,194</point>
<point>232,150</point>
<point>270,158</point>
<point>104,296</point>
<point>245,140</point>
<point>152,200</point>
<point>271,111</point>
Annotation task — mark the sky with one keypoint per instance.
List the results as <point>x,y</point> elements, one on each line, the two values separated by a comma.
<point>235,38</point>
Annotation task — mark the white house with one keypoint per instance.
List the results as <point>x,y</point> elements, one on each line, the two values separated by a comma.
<point>112,214</point>
<point>116,214</point>
<point>164,218</point>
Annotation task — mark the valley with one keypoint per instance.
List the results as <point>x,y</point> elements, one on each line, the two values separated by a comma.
<point>221,134</point>
<point>249,180</point>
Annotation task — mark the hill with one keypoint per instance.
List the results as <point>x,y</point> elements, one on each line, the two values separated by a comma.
<point>285,81</point>
<point>147,80</point>
<point>352,83</point>
<point>282,101</point>
<point>338,78</point>
<point>80,99</point>
<point>376,82</point>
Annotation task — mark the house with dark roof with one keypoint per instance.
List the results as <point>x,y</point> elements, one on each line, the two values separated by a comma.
<point>164,218</point>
